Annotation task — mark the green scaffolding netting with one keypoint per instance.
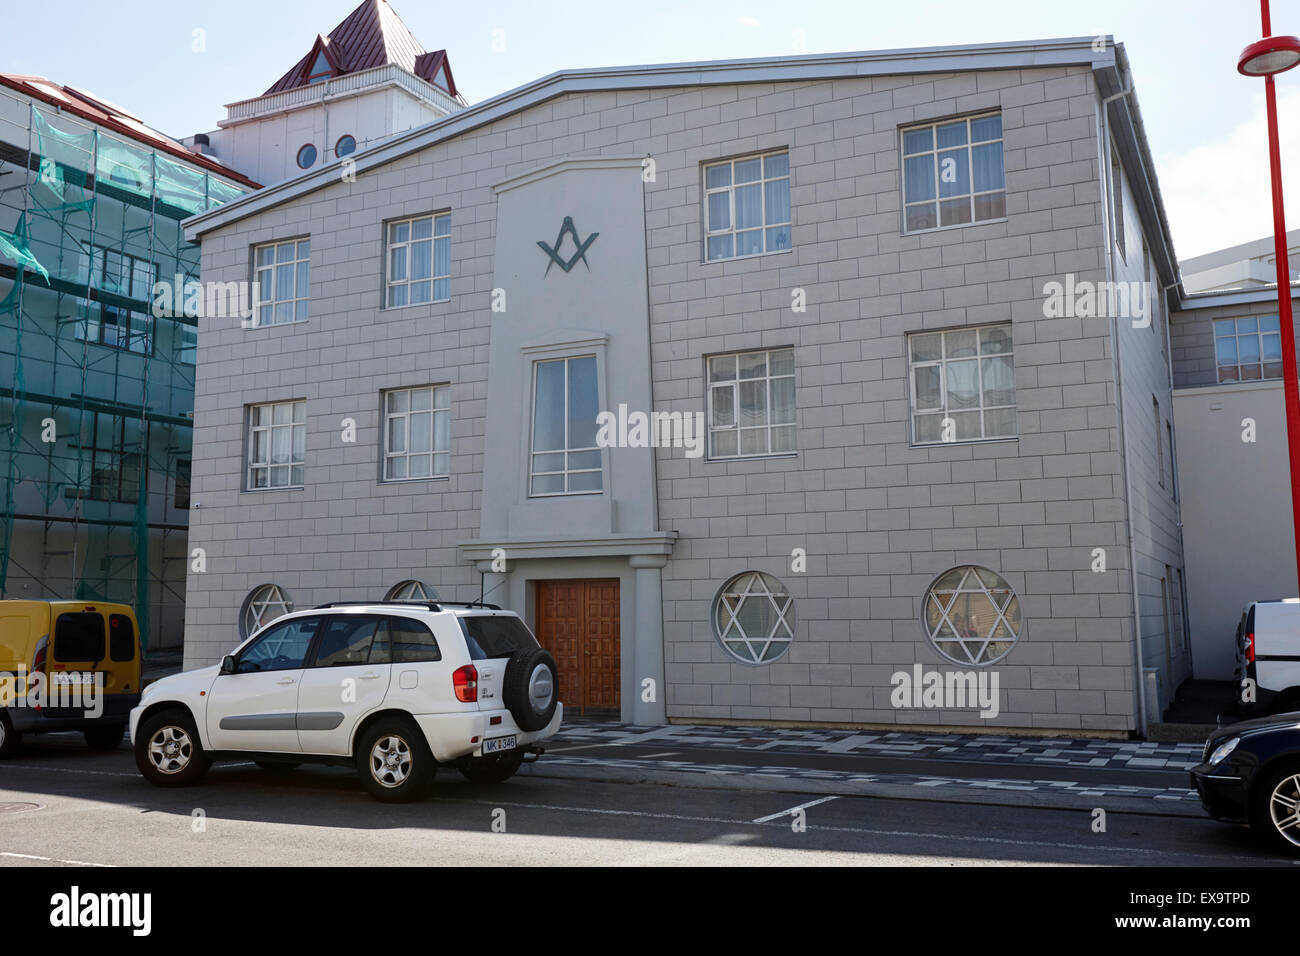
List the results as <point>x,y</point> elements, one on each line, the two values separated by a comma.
<point>96,394</point>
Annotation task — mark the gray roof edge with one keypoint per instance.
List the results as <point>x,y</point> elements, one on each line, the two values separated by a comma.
<point>1254,249</point>
<point>1215,298</point>
<point>1021,54</point>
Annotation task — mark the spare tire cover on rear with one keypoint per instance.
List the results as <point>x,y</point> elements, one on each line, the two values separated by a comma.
<point>531,688</point>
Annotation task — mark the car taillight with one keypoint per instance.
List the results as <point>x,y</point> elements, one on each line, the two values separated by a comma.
<point>38,663</point>
<point>1249,649</point>
<point>465,680</point>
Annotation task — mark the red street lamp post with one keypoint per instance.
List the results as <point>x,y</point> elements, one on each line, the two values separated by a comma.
<point>1267,57</point>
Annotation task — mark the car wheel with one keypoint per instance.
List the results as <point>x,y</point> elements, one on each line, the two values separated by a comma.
<point>394,761</point>
<point>531,688</point>
<point>104,736</point>
<point>494,768</point>
<point>10,739</point>
<point>271,766</point>
<point>168,752</point>
<point>1277,806</point>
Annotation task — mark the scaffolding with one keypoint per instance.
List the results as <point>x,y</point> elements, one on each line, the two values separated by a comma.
<point>96,393</point>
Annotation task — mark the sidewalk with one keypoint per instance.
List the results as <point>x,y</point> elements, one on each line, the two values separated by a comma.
<point>1138,776</point>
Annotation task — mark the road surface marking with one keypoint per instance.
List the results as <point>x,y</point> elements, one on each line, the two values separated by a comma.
<point>50,859</point>
<point>913,834</point>
<point>802,806</point>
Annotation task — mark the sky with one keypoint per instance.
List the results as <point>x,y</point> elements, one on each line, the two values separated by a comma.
<point>1204,121</point>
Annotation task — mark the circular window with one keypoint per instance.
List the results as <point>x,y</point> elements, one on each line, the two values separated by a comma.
<point>411,591</point>
<point>753,618</point>
<point>972,616</point>
<point>307,157</point>
<point>262,606</point>
<point>345,145</point>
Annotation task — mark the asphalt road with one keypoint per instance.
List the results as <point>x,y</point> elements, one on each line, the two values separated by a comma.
<point>95,809</point>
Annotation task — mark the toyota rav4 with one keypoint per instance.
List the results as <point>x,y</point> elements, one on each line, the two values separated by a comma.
<point>393,688</point>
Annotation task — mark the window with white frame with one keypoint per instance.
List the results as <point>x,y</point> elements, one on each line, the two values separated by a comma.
<point>952,173</point>
<point>1248,349</point>
<point>963,384</point>
<point>419,260</point>
<point>565,458</point>
<point>747,206</point>
<point>751,404</point>
<point>417,433</point>
<point>277,445</point>
<point>283,280</point>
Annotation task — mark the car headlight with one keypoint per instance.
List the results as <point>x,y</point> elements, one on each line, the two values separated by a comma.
<point>1222,751</point>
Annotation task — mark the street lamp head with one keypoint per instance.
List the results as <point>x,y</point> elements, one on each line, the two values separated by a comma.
<point>1269,56</point>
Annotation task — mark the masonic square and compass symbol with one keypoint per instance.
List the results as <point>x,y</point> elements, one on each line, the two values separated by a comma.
<point>582,244</point>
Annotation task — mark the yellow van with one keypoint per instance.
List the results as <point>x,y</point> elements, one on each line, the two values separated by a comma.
<point>67,665</point>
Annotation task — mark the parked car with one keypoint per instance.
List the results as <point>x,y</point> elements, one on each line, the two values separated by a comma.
<point>1250,774</point>
<point>393,688</point>
<point>87,678</point>
<point>1268,653</point>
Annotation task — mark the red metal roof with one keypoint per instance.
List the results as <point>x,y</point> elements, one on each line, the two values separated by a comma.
<point>371,35</point>
<point>90,107</point>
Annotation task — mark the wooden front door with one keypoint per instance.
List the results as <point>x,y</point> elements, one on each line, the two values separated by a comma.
<point>577,621</point>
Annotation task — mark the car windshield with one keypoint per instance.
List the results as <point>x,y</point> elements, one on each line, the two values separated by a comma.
<point>492,636</point>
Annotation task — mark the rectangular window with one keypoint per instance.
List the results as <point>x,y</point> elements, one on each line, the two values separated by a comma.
<point>1249,349</point>
<point>963,385</point>
<point>1117,200</point>
<point>181,499</point>
<point>189,344</point>
<point>417,433</point>
<point>1160,444</point>
<point>79,636</point>
<point>111,455</point>
<point>1173,471</point>
<point>751,404</point>
<point>121,638</point>
<point>952,173</point>
<point>565,458</point>
<point>283,282</point>
<point>130,277</point>
<point>412,641</point>
<point>747,206</point>
<point>419,260</point>
<point>277,445</point>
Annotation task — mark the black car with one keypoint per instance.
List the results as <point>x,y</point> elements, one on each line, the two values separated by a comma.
<point>1250,773</point>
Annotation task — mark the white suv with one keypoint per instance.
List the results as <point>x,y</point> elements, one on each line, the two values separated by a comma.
<point>392,688</point>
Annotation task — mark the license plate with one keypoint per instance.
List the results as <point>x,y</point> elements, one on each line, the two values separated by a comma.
<point>74,677</point>
<point>498,745</point>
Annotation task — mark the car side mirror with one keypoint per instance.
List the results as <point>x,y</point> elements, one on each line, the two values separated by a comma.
<point>228,664</point>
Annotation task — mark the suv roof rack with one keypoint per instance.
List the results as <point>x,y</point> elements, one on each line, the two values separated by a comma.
<point>431,605</point>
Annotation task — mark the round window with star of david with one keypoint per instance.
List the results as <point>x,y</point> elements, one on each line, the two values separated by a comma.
<point>972,616</point>
<point>753,618</point>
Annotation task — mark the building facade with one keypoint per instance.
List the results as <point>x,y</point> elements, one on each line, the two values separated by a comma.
<point>368,79</point>
<point>888,438</point>
<point>96,392</point>
<point>1232,460</point>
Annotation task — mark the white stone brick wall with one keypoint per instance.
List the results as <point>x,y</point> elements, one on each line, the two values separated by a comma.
<point>878,517</point>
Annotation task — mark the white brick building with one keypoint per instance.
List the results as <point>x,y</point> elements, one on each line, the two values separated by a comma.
<point>924,412</point>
